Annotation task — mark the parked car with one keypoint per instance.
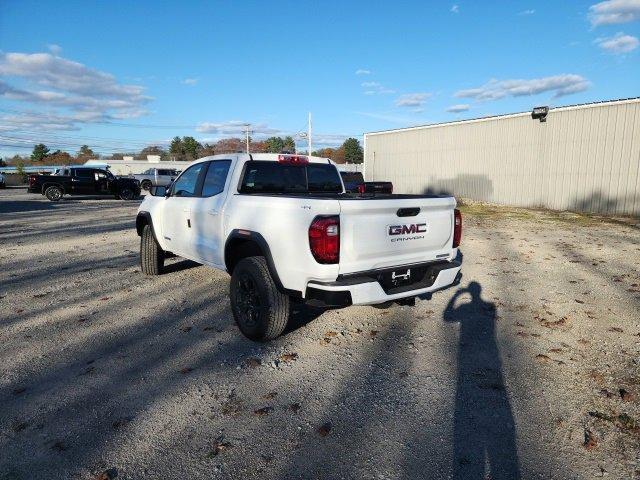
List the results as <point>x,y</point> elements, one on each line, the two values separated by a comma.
<point>83,181</point>
<point>283,227</point>
<point>3,181</point>
<point>354,183</point>
<point>155,177</point>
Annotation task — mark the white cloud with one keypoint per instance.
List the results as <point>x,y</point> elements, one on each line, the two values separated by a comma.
<point>62,74</point>
<point>455,9</point>
<point>375,88</point>
<point>527,12</point>
<point>190,81</point>
<point>59,99</point>
<point>614,11</point>
<point>328,140</point>
<point>37,121</point>
<point>619,44</point>
<point>236,127</point>
<point>412,100</point>
<point>363,71</point>
<point>459,108</point>
<point>55,49</point>
<point>84,94</point>
<point>560,85</point>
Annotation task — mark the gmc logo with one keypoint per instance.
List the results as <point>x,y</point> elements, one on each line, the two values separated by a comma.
<point>407,229</point>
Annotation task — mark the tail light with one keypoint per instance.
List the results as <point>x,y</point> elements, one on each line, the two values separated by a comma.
<point>457,228</point>
<point>362,188</point>
<point>324,239</point>
<point>32,180</point>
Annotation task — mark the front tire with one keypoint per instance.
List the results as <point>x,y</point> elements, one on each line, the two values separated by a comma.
<point>151,254</point>
<point>260,310</point>
<point>146,185</point>
<point>53,193</point>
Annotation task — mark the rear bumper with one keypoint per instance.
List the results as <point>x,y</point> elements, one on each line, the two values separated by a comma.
<point>368,288</point>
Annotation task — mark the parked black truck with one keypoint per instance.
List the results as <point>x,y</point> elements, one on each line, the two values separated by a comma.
<point>83,181</point>
<point>354,183</point>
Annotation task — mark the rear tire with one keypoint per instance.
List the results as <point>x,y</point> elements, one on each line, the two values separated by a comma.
<point>126,194</point>
<point>260,310</point>
<point>151,254</point>
<point>53,193</point>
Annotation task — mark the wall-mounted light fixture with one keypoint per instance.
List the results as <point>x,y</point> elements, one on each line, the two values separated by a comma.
<point>540,113</point>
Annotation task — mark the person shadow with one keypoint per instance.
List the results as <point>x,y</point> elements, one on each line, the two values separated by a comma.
<point>484,430</point>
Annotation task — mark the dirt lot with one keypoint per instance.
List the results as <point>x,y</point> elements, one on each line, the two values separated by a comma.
<point>528,369</point>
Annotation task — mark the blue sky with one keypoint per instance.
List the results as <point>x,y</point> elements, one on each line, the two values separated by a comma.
<point>118,75</point>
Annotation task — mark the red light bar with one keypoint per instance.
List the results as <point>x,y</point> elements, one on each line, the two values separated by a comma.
<point>293,159</point>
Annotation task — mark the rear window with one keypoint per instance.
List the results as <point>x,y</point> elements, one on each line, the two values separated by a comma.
<point>274,177</point>
<point>352,177</point>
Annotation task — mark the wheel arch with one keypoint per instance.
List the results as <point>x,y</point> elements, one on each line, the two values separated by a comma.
<point>242,244</point>
<point>142,219</point>
<point>53,184</point>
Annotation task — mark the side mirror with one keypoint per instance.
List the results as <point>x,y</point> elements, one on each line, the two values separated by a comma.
<point>159,191</point>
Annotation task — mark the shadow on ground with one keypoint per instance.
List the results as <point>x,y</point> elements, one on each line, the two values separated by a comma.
<point>484,429</point>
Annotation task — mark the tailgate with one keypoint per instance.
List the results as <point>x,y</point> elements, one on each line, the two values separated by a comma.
<point>387,232</point>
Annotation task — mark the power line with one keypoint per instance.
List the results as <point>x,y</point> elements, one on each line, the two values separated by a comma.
<point>62,144</point>
<point>57,135</point>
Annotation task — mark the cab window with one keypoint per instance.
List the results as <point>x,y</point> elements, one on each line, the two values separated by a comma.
<point>83,173</point>
<point>216,177</point>
<point>187,183</point>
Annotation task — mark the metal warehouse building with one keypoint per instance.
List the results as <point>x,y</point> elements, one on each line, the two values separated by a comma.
<point>582,157</point>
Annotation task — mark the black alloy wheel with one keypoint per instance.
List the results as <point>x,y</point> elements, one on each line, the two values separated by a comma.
<point>249,303</point>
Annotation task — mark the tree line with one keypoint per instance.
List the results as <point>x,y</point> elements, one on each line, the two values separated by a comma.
<point>188,149</point>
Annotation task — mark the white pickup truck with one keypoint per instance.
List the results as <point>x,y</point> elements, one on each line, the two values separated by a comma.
<point>283,227</point>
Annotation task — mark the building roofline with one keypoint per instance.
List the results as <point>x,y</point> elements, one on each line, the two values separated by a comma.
<point>507,115</point>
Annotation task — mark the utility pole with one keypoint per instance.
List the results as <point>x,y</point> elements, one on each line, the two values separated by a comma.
<point>246,126</point>
<point>309,135</point>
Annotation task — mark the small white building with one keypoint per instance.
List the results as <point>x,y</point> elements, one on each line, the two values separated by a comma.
<point>129,166</point>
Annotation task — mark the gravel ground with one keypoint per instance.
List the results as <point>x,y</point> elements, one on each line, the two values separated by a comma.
<point>528,369</point>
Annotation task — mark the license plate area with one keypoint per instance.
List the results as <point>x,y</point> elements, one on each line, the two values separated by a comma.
<point>396,278</point>
<point>401,277</point>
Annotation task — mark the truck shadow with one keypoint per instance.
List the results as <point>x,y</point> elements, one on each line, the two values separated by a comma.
<point>301,314</point>
<point>484,429</point>
<point>179,266</point>
<point>44,205</point>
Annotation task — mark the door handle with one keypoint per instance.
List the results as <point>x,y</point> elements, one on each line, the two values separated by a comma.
<point>213,212</point>
<point>185,209</point>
